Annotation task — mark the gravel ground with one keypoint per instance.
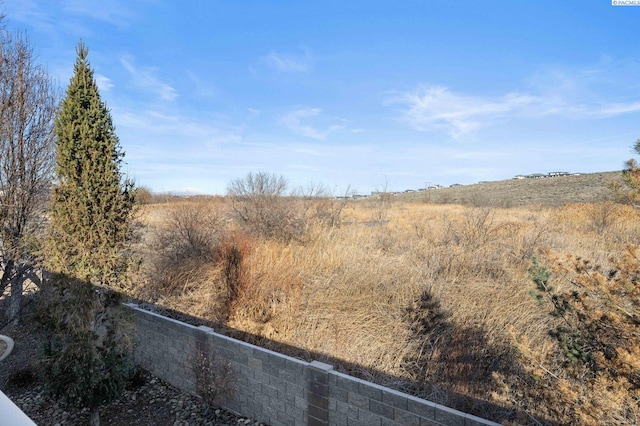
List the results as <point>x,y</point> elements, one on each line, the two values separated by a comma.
<point>147,402</point>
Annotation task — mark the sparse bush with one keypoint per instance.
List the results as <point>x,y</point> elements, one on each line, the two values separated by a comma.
<point>183,245</point>
<point>320,205</point>
<point>230,256</point>
<point>260,202</point>
<point>195,261</point>
<point>476,229</point>
<point>215,379</point>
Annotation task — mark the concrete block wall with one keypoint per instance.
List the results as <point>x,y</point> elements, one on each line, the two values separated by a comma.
<point>280,390</point>
<point>353,401</point>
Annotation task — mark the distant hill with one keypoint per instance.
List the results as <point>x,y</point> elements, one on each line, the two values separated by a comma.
<point>552,191</point>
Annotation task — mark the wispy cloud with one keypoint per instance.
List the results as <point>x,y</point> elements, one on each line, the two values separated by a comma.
<point>436,107</point>
<point>289,63</point>
<point>104,82</point>
<point>590,93</point>
<point>310,122</point>
<point>27,11</point>
<point>145,78</point>
<point>115,12</point>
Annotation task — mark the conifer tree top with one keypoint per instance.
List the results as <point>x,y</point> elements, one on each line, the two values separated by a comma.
<point>92,203</point>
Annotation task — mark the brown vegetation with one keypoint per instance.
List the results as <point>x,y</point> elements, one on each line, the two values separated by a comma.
<point>555,191</point>
<point>441,300</point>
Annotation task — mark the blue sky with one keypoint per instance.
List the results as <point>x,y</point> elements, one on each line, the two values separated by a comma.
<point>365,95</point>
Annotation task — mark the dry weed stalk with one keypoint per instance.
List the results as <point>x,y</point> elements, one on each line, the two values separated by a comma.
<point>215,380</point>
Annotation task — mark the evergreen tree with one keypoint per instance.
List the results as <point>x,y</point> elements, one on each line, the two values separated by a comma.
<point>92,206</point>
<point>89,356</point>
<point>629,191</point>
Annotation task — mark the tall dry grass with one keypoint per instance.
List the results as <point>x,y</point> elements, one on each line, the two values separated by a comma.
<point>434,299</point>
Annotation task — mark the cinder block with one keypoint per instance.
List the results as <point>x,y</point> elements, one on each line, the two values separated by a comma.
<point>347,410</point>
<point>338,420</point>
<point>318,389</point>
<point>260,353</point>
<point>318,376</point>
<point>262,399</point>
<point>448,416</point>
<point>293,389</point>
<point>395,399</point>
<point>278,383</point>
<point>255,364</point>
<point>244,391</point>
<point>471,420</point>
<point>312,421</point>
<point>261,377</point>
<point>285,418</point>
<point>270,391</point>
<point>406,418</point>
<point>345,382</point>
<point>421,407</point>
<point>389,422</point>
<point>367,418</point>
<point>297,367</point>
<point>301,402</point>
<point>233,355</point>
<point>426,422</point>
<point>338,393</point>
<point>381,409</point>
<point>318,413</point>
<point>287,375</point>
<point>244,370</point>
<point>300,420</point>
<point>358,400</point>
<point>318,401</point>
<point>275,406</point>
<point>371,392</point>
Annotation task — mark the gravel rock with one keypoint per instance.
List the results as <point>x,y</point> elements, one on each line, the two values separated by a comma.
<point>153,403</point>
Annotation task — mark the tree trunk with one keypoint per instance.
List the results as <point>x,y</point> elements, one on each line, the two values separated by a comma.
<point>15,302</point>
<point>95,417</point>
<point>6,274</point>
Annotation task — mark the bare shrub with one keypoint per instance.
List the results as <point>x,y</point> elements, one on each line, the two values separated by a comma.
<point>183,246</point>
<point>28,102</point>
<point>321,206</point>
<point>477,228</point>
<point>230,256</point>
<point>603,216</point>
<point>260,202</point>
<point>215,380</point>
<point>195,264</point>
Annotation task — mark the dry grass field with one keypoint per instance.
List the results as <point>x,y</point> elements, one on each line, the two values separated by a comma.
<point>438,296</point>
<point>591,187</point>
